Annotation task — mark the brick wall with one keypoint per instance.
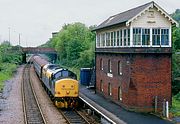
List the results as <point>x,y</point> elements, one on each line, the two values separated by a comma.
<point>144,76</point>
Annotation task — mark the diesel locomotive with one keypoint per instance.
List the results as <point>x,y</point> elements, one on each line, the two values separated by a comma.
<point>61,84</point>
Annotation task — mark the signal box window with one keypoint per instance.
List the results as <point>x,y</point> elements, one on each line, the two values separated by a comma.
<point>101,86</point>
<point>109,89</point>
<point>156,36</point>
<point>125,37</point>
<point>121,37</point>
<point>109,66</point>
<point>112,38</point>
<point>145,36</point>
<point>137,36</point>
<point>120,93</point>
<point>108,39</point>
<point>102,43</point>
<point>118,43</point>
<point>98,40</point>
<point>119,68</point>
<point>164,36</point>
<point>101,64</point>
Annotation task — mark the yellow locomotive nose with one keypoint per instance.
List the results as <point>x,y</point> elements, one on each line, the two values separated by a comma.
<point>67,88</point>
<point>67,92</point>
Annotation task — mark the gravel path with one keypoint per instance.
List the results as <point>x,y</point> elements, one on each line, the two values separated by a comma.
<point>11,100</point>
<point>11,111</point>
<point>50,112</point>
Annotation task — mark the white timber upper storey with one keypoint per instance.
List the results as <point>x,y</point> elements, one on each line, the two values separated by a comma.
<point>145,26</point>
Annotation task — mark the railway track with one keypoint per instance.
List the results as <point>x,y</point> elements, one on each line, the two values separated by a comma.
<point>73,117</point>
<point>32,110</point>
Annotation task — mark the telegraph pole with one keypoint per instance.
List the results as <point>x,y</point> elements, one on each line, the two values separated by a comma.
<point>19,41</point>
<point>9,35</point>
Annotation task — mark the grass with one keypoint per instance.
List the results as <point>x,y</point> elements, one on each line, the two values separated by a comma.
<point>6,73</point>
<point>176,105</point>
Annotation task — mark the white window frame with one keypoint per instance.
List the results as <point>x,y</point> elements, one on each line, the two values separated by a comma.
<point>125,37</point>
<point>151,37</point>
<point>108,33</point>
<point>102,43</point>
<point>97,40</point>
<point>142,37</point>
<point>159,38</point>
<point>169,44</point>
<point>105,40</point>
<point>135,45</point>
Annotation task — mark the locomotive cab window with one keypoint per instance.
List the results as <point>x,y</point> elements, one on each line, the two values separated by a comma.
<point>65,74</point>
<point>72,75</point>
<point>58,75</point>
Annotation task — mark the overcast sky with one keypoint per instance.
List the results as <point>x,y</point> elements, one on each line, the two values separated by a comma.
<point>35,20</point>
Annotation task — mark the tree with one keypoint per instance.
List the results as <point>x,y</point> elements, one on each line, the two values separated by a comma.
<point>176,15</point>
<point>176,38</point>
<point>71,41</point>
<point>8,55</point>
<point>176,57</point>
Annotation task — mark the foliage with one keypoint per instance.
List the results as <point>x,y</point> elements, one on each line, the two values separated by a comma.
<point>175,56</point>
<point>6,72</point>
<point>176,105</point>
<point>9,54</point>
<point>176,38</point>
<point>86,58</point>
<point>176,15</point>
<point>75,45</point>
<point>176,73</point>
<point>9,57</point>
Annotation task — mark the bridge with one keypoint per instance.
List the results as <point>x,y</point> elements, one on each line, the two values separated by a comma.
<point>38,50</point>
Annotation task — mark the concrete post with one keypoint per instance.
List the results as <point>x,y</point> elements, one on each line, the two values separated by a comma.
<point>155,107</point>
<point>164,108</point>
<point>167,109</point>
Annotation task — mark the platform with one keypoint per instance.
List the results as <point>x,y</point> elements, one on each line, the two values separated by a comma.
<point>117,113</point>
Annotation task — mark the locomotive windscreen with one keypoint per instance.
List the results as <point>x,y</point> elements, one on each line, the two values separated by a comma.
<point>65,74</point>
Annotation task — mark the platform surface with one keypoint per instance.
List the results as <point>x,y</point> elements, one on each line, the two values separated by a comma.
<point>115,111</point>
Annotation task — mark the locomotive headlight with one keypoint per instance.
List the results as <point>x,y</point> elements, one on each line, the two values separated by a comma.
<point>75,92</point>
<point>67,92</point>
<point>63,86</point>
<point>57,92</point>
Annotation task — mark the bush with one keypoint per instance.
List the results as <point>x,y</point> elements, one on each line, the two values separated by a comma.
<point>176,105</point>
<point>6,72</point>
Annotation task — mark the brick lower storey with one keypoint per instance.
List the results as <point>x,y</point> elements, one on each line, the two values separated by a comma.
<point>144,77</point>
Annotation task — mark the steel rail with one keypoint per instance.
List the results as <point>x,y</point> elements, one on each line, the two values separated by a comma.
<point>103,115</point>
<point>31,108</point>
<point>73,117</point>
